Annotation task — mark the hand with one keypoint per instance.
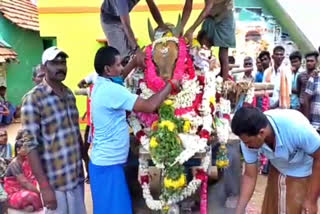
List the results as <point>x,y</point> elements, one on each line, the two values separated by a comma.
<point>82,84</point>
<point>189,36</point>
<point>49,198</point>
<point>309,207</point>
<point>140,58</point>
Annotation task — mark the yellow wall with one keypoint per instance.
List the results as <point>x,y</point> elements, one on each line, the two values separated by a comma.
<point>76,25</point>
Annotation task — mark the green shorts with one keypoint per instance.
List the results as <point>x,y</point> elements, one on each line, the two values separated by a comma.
<point>222,33</point>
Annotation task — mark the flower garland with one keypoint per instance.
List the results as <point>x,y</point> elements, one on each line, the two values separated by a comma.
<point>182,129</point>
<point>187,191</point>
<point>156,83</point>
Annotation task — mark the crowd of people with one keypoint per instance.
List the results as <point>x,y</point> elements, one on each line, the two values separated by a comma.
<point>45,170</point>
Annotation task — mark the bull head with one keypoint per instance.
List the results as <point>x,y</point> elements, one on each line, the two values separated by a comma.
<point>165,53</point>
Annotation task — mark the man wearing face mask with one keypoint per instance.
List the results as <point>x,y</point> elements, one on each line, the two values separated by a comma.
<point>52,138</point>
<point>292,146</point>
<point>110,101</point>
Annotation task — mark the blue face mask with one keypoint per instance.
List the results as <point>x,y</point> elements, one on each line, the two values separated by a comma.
<point>119,80</point>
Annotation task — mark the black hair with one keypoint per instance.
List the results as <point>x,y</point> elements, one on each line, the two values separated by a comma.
<point>295,55</point>
<point>105,56</point>
<point>3,88</point>
<point>231,60</point>
<point>278,48</point>
<point>19,142</point>
<point>264,53</point>
<point>35,70</point>
<point>247,58</point>
<point>315,54</point>
<point>249,121</point>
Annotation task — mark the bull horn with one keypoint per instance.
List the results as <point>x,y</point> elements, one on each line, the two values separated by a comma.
<point>151,31</point>
<point>177,30</point>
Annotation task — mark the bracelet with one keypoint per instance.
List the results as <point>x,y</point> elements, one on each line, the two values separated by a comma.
<point>44,185</point>
<point>174,89</point>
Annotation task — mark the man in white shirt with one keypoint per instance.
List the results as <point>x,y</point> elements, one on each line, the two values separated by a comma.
<point>280,75</point>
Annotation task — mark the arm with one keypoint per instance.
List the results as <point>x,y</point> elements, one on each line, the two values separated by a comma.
<point>299,84</point>
<point>186,13</point>
<point>5,110</point>
<point>249,180</point>
<point>307,101</point>
<point>151,104</point>
<point>26,184</point>
<point>155,13</point>
<point>47,192</point>
<point>313,190</point>
<point>204,13</point>
<point>295,91</point>
<point>308,93</point>
<point>138,60</point>
<point>125,20</point>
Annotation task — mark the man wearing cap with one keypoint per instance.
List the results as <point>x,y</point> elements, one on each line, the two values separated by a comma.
<point>52,137</point>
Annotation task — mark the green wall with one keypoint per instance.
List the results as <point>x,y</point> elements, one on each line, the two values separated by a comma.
<point>29,47</point>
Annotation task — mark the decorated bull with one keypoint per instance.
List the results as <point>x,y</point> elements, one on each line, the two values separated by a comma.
<point>183,126</point>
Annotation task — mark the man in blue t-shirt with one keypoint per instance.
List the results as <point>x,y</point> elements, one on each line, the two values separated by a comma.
<point>109,102</point>
<point>292,145</point>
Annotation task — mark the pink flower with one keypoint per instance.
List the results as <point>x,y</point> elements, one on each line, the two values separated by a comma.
<point>147,118</point>
<point>184,68</point>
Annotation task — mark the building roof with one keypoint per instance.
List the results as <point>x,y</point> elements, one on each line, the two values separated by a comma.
<point>21,12</point>
<point>7,54</point>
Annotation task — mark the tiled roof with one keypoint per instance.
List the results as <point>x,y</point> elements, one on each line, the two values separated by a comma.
<point>21,12</point>
<point>7,54</point>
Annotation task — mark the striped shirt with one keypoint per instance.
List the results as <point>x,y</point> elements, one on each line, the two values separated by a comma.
<point>313,89</point>
<point>51,126</point>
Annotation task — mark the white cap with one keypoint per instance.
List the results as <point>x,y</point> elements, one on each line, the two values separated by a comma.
<point>51,53</point>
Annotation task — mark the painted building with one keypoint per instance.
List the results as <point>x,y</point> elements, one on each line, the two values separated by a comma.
<point>76,28</point>
<point>19,26</point>
<point>7,55</point>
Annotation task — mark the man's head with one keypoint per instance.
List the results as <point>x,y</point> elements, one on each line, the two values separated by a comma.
<point>265,58</point>
<point>3,90</point>
<point>107,62</point>
<point>54,63</point>
<point>311,60</point>
<point>3,137</point>
<point>38,73</point>
<point>259,64</point>
<point>248,63</point>
<point>278,55</point>
<point>250,125</point>
<point>18,147</point>
<point>295,60</point>
<point>231,60</point>
<point>204,39</point>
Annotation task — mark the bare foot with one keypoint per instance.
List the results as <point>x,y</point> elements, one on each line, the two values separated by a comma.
<point>28,208</point>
